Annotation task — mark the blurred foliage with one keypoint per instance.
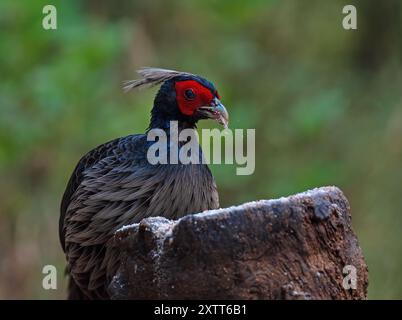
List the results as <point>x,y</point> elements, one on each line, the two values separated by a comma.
<point>325,102</point>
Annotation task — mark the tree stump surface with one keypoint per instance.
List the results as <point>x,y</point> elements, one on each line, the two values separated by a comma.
<point>289,248</point>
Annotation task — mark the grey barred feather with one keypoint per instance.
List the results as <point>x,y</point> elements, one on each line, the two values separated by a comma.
<point>115,188</point>
<point>151,77</point>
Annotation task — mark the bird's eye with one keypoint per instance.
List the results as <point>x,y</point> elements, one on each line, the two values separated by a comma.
<point>189,94</point>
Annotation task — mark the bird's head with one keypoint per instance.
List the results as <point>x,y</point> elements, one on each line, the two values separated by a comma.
<point>183,97</point>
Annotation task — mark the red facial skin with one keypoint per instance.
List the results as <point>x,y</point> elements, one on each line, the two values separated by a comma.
<point>203,96</point>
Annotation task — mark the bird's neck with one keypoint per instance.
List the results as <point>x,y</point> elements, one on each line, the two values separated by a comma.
<point>166,123</point>
<point>176,137</point>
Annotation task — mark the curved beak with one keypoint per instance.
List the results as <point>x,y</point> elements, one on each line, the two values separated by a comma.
<point>216,111</point>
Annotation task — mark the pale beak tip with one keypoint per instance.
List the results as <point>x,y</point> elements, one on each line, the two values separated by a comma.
<point>223,115</point>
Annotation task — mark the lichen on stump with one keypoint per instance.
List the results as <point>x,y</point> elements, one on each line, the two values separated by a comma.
<point>288,248</point>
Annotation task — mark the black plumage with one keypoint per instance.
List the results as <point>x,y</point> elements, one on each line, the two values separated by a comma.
<point>115,185</point>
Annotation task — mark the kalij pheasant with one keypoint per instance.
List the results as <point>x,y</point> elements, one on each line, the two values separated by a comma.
<point>115,185</point>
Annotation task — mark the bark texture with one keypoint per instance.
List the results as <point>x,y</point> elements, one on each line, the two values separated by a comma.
<point>290,248</point>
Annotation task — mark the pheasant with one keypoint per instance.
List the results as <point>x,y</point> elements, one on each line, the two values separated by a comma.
<point>114,184</point>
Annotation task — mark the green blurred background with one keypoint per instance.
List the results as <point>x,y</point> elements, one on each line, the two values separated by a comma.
<point>325,102</point>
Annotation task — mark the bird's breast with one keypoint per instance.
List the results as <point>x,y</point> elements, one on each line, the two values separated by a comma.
<point>185,189</point>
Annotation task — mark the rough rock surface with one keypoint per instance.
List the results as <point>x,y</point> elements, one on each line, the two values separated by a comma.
<point>289,248</point>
